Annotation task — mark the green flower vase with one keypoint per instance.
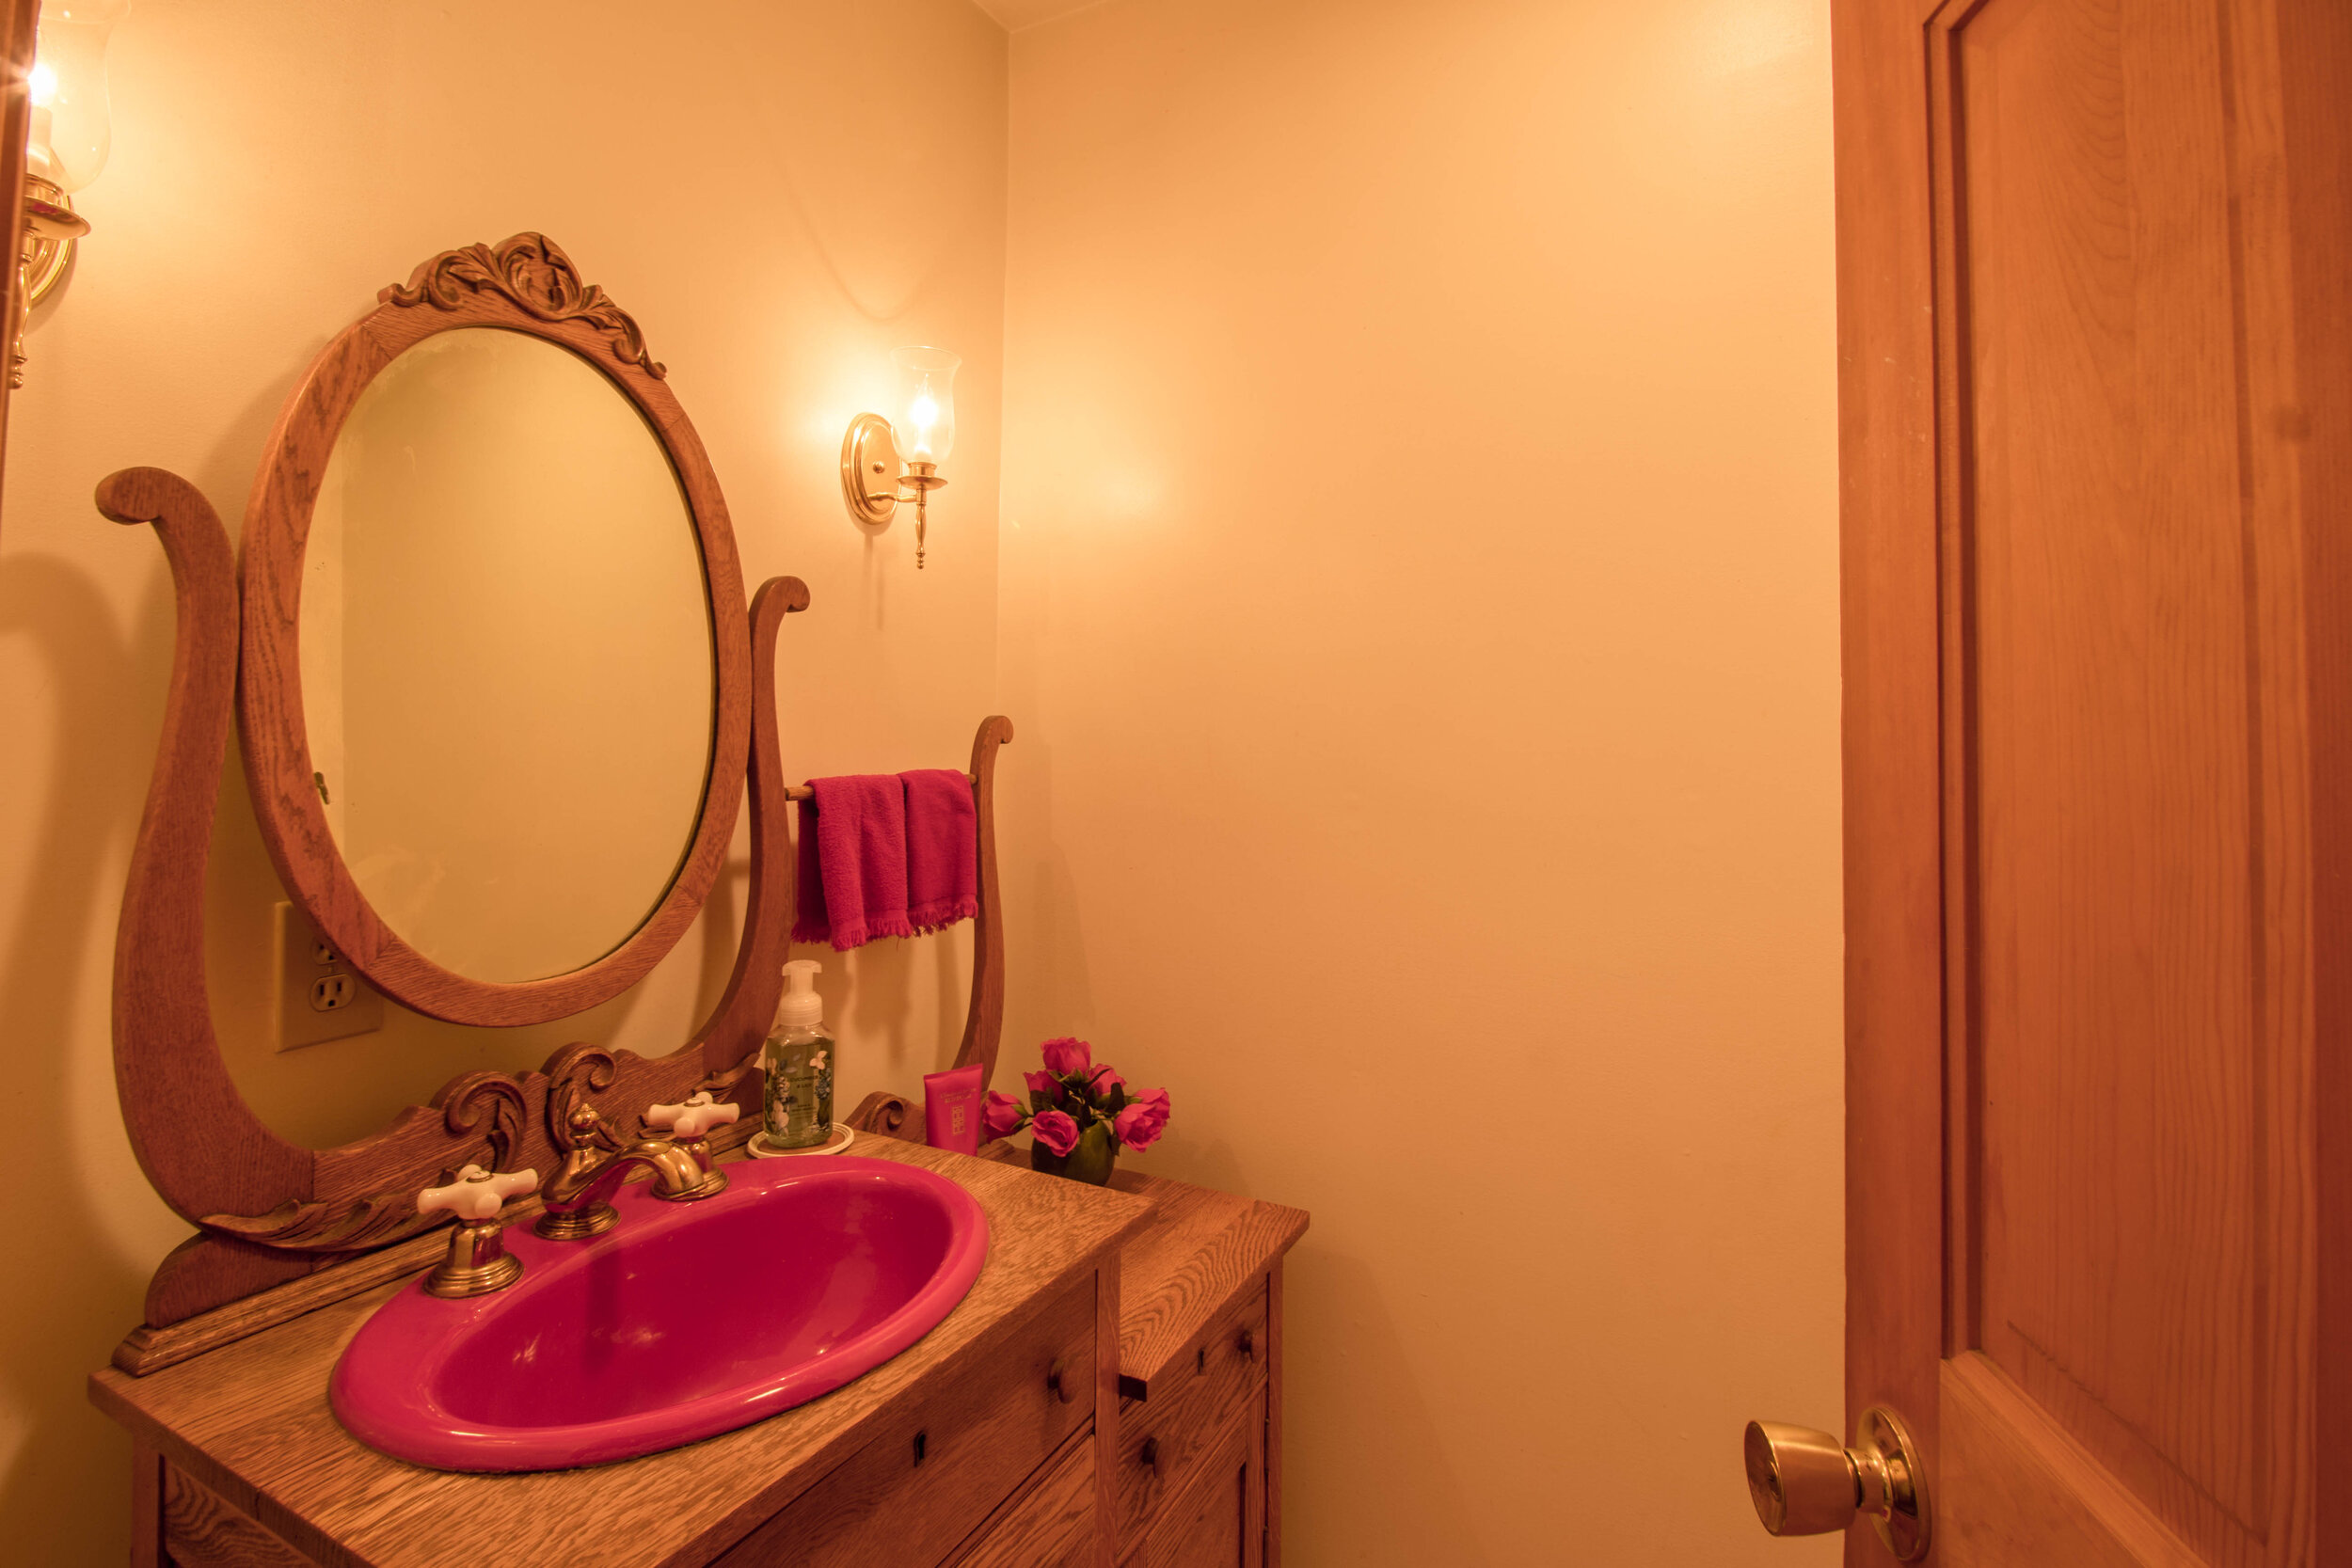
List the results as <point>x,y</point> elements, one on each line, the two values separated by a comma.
<point>1090,1162</point>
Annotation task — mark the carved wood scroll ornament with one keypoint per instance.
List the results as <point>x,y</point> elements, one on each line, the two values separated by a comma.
<point>533,271</point>
<point>387,1216</point>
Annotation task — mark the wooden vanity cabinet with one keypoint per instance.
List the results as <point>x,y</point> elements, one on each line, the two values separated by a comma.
<point>913,1491</point>
<point>987,1445</point>
<point>997,1445</point>
<point>1198,1446</point>
<point>1107,1396</point>
<point>981,1448</point>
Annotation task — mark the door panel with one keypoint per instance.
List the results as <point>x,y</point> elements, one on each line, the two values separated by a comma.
<point>2027,1493</point>
<point>2127,1255</point>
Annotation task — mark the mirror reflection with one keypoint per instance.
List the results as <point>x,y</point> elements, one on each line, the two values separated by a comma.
<point>507,677</point>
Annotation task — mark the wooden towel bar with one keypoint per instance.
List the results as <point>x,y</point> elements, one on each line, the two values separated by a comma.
<point>801,792</point>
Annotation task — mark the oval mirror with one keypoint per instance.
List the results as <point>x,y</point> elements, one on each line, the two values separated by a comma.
<point>495,665</point>
<point>506,659</point>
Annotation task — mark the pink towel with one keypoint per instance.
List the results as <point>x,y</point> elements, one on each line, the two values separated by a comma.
<point>853,861</point>
<point>942,849</point>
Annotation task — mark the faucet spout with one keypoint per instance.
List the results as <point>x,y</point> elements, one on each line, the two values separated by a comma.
<point>579,1197</point>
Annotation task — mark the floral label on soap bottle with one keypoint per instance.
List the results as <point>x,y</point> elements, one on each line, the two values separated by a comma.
<point>798,1100</point>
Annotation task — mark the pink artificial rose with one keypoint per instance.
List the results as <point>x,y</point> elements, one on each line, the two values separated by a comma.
<point>1145,1119</point>
<point>1045,1084</point>
<point>1066,1056</point>
<point>1004,1115</point>
<point>1105,1079</point>
<point>1056,1131</point>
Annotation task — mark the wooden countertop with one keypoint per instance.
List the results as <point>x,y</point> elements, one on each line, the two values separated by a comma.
<point>1182,1267</point>
<point>1179,1269</point>
<point>251,1420</point>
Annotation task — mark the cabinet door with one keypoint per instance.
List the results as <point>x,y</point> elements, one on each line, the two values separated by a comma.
<point>203,1530</point>
<point>1219,1519</point>
<point>1164,1441</point>
<point>930,1474</point>
<point>1057,1526</point>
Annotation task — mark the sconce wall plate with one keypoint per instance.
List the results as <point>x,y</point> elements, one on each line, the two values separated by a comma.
<point>872,481</point>
<point>870,470</point>
<point>68,133</point>
<point>51,227</point>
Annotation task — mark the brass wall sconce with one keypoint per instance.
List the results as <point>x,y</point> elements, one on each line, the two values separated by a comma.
<point>919,437</point>
<point>71,133</point>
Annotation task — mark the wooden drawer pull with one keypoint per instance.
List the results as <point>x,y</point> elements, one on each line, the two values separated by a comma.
<point>1149,1453</point>
<point>1058,1384</point>
<point>1248,1343</point>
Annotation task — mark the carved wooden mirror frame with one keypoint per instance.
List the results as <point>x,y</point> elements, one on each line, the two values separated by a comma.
<point>282,1228</point>
<point>269,1212</point>
<point>525,285</point>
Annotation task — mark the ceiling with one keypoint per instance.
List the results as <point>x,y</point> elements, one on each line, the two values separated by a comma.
<point>1013,15</point>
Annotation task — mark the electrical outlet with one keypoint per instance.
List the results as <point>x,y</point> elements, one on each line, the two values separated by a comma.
<point>319,996</point>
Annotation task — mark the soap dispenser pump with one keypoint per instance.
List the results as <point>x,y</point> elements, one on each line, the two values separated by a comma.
<point>798,1059</point>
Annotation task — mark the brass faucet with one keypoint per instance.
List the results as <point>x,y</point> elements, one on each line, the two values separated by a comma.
<point>477,1262</point>
<point>578,1195</point>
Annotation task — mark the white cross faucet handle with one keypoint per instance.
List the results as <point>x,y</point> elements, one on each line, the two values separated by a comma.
<point>477,1195</point>
<point>693,1119</point>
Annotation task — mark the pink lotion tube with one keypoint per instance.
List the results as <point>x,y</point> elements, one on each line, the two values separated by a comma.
<point>951,1109</point>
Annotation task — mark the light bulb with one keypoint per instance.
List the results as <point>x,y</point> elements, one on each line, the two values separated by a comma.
<point>71,128</point>
<point>925,430</point>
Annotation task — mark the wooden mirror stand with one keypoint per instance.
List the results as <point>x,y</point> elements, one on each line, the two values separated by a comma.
<point>283,1229</point>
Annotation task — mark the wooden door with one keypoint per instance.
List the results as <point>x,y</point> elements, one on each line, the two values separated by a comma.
<point>2095,343</point>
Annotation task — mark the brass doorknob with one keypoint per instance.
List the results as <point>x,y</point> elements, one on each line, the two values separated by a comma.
<point>1807,1483</point>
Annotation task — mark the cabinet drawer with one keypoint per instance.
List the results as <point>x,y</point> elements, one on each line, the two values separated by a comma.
<point>1053,1527</point>
<point>1219,1519</point>
<point>1163,1440</point>
<point>932,1473</point>
<point>203,1530</point>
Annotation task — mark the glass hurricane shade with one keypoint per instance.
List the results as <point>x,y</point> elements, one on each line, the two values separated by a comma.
<point>72,128</point>
<point>923,423</point>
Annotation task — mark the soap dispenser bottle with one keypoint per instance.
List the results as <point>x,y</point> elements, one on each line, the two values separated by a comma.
<point>798,1059</point>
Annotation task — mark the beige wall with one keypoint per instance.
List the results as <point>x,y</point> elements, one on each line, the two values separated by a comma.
<point>1418,607</point>
<point>734,175</point>
<point>1420,600</point>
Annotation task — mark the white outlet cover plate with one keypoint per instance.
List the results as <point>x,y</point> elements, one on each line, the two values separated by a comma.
<point>299,1023</point>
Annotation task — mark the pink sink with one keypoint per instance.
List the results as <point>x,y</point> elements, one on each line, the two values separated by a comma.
<point>684,1320</point>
